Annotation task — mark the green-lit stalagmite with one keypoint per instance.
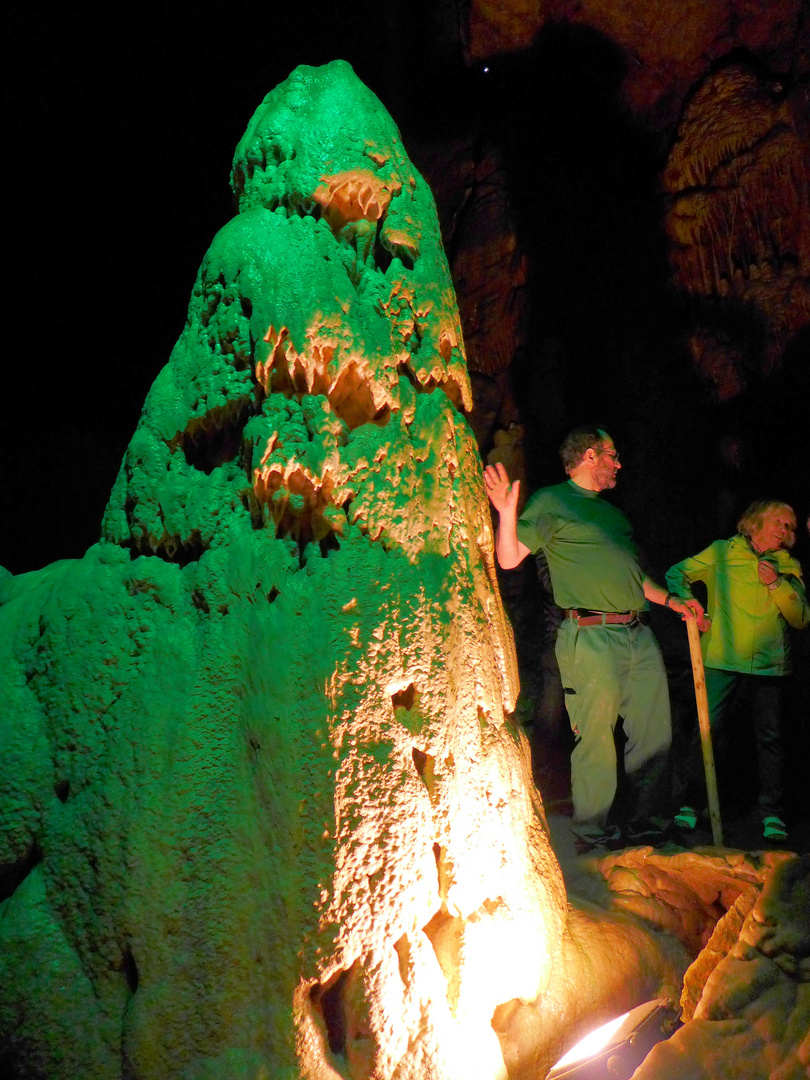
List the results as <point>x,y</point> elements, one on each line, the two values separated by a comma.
<point>262,804</point>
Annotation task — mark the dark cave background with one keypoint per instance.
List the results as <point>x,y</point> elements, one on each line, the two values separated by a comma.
<point>121,124</point>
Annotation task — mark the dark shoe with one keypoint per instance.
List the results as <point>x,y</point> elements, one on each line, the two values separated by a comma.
<point>597,843</point>
<point>774,830</point>
<point>645,837</point>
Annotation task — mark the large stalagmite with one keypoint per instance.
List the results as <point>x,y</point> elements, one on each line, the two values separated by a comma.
<point>263,804</point>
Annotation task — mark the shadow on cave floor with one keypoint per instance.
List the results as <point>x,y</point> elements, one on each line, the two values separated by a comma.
<point>743,833</point>
<point>742,827</point>
<point>741,821</point>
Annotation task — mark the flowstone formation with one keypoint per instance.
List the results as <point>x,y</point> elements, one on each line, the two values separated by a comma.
<point>748,1004</point>
<point>720,89</point>
<point>738,215</point>
<point>264,812</point>
<point>666,49</point>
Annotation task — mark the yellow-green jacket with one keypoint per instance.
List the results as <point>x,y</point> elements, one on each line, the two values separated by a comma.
<point>749,620</point>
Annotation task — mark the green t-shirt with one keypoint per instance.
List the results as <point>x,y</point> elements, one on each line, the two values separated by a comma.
<point>589,547</point>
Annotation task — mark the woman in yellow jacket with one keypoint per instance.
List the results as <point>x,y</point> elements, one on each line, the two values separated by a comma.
<point>755,589</point>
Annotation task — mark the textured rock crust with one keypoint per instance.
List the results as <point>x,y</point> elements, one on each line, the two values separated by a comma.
<point>738,217</point>
<point>264,811</point>
<point>724,85</point>
<point>753,1019</point>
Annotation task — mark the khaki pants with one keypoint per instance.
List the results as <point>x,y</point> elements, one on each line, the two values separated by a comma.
<point>610,672</point>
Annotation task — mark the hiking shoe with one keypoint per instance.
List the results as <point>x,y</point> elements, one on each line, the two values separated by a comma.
<point>603,846</point>
<point>773,828</point>
<point>686,819</point>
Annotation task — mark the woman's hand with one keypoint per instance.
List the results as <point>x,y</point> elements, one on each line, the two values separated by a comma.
<point>767,573</point>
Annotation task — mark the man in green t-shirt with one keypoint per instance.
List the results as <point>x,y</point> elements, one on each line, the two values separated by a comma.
<point>609,660</point>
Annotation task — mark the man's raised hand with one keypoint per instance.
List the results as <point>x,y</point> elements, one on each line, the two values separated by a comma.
<point>502,494</point>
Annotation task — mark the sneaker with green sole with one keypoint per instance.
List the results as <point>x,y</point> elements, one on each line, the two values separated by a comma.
<point>773,828</point>
<point>686,818</point>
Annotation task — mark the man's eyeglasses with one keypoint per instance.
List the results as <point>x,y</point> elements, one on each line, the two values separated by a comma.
<point>606,450</point>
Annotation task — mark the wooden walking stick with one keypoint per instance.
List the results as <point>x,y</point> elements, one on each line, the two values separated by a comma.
<point>699,676</point>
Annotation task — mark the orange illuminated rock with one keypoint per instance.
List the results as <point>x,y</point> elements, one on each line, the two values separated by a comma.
<point>667,48</point>
<point>738,217</point>
<point>753,1018</point>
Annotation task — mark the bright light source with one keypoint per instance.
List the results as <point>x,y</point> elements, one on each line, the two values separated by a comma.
<point>616,1049</point>
<point>592,1043</point>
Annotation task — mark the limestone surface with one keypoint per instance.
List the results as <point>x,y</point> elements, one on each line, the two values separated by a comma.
<point>666,49</point>
<point>738,214</point>
<point>753,1019</point>
<point>264,811</point>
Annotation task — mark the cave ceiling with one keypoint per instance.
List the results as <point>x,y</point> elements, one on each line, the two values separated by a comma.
<point>626,211</point>
<point>667,48</point>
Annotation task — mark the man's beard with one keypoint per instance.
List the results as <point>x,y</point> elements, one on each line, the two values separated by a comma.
<point>605,476</point>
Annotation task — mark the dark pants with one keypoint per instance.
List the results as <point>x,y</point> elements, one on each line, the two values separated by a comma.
<point>765,695</point>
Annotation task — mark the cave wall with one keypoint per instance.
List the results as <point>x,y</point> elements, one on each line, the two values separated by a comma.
<point>625,206</point>
<point>625,209</point>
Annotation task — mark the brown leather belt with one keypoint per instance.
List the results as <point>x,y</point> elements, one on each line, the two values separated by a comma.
<point>584,617</point>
